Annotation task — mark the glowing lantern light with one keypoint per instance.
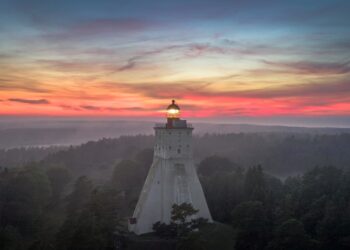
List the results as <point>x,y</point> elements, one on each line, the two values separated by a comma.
<point>173,110</point>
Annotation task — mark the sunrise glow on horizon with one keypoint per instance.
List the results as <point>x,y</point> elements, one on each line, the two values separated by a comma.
<point>130,58</point>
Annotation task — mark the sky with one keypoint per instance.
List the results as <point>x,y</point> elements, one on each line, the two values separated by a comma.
<point>219,59</point>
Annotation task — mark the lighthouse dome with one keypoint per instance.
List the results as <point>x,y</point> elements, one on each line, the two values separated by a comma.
<point>173,105</point>
<point>173,110</point>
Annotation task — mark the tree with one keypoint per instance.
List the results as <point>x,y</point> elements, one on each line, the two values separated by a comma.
<point>319,186</point>
<point>250,221</point>
<point>76,202</point>
<point>214,164</point>
<point>145,158</point>
<point>128,178</point>
<point>180,213</point>
<point>291,236</point>
<point>80,195</point>
<point>10,238</point>
<point>223,192</point>
<point>97,223</point>
<point>320,182</point>
<point>91,222</point>
<point>24,197</point>
<point>255,184</point>
<point>210,236</point>
<point>330,229</point>
<point>181,223</point>
<point>59,177</point>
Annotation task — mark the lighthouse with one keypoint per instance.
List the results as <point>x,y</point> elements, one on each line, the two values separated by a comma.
<point>172,178</point>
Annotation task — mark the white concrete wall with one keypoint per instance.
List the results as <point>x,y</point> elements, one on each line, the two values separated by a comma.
<point>173,143</point>
<point>172,178</point>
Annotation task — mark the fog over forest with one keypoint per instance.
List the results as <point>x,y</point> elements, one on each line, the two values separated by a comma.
<point>73,185</point>
<point>17,132</point>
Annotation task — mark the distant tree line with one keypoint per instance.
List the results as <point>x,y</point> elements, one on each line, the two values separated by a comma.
<point>281,154</point>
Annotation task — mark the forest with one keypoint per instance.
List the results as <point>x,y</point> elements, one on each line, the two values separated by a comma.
<point>264,191</point>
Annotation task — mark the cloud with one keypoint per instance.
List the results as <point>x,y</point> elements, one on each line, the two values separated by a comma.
<point>133,61</point>
<point>12,86</point>
<point>317,90</point>
<point>310,67</point>
<point>29,101</point>
<point>6,56</point>
<point>228,47</point>
<point>302,90</point>
<point>69,107</point>
<point>195,49</point>
<point>199,88</point>
<point>99,27</point>
<point>182,51</point>
<point>104,108</point>
<point>15,79</point>
<point>187,50</point>
<point>72,65</point>
<point>89,107</point>
<point>130,65</point>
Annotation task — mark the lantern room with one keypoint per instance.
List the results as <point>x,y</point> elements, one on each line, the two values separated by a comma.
<point>173,111</point>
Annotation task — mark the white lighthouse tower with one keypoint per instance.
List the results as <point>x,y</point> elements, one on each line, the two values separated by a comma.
<point>172,178</point>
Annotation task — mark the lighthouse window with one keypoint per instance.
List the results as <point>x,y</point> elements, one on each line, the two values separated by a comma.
<point>179,151</point>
